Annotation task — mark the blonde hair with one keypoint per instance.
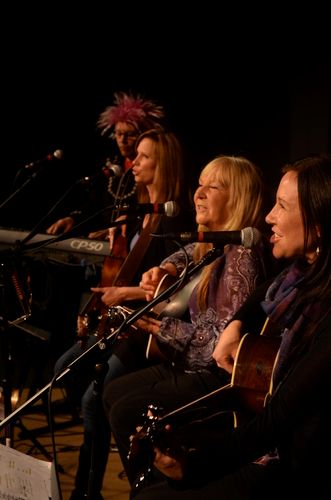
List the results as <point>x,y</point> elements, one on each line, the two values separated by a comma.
<point>243,179</point>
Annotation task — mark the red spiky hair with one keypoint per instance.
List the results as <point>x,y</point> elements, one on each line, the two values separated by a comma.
<point>142,113</point>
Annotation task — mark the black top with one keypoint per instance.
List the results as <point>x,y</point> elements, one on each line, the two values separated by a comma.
<point>296,420</point>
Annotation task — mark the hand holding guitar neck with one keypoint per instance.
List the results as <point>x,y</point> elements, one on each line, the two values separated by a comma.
<point>155,443</point>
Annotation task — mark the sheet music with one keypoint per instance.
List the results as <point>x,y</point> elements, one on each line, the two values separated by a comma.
<point>23,477</point>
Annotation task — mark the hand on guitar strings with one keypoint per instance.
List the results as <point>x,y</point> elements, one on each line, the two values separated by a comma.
<point>226,349</point>
<point>148,324</point>
<point>151,279</point>
<point>110,295</point>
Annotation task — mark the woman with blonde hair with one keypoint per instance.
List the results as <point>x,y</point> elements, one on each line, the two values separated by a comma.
<point>280,451</point>
<point>229,198</point>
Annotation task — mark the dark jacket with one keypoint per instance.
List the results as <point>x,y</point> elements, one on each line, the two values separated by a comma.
<point>295,421</point>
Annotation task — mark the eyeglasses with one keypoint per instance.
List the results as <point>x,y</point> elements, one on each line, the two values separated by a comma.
<point>128,135</point>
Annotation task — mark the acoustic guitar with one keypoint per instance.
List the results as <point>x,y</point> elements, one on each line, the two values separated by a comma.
<point>246,394</point>
<point>119,269</point>
<point>112,317</point>
<point>174,306</point>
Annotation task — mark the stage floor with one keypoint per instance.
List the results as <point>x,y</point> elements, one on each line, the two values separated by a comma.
<point>68,438</point>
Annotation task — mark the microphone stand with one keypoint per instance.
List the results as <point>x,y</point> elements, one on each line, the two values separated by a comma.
<point>131,318</point>
<point>18,190</point>
<point>39,224</point>
<point>37,245</point>
<point>81,181</point>
<point>9,277</point>
<point>5,354</point>
<point>26,183</point>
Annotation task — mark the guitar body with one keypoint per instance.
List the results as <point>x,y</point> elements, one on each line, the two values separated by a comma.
<point>94,309</point>
<point>174,306</point>
<point>177,303</point>
<point>119,269</point>
<point>253,370</point>
<point>244,396</point>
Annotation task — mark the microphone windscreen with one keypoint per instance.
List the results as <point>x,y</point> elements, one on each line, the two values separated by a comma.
<point>171,208</point>
<point>58,154</point>
<point>250,237</point>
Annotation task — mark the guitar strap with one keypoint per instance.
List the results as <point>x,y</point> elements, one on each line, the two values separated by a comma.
<point>131,264</point>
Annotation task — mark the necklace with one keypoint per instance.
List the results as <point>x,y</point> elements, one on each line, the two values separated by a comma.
<point>120,192</point>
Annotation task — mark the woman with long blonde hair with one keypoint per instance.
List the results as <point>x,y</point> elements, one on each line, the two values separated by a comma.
<point>230,196</point>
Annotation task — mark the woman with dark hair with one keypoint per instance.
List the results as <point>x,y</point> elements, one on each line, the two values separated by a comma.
<point>284,450</point>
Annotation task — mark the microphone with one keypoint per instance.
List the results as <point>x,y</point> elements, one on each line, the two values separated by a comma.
<point>112,171</point>
<point>57,155</point>
<point>169,208</point>
<point>247,237</point>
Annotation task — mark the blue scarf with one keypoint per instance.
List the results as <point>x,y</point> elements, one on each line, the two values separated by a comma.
<point>278,305</point>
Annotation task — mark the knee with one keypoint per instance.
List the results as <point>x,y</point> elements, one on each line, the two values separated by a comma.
<point>61,363</point>
<point>115,368</point>
<point>114,414</point>
<point>66,358</point>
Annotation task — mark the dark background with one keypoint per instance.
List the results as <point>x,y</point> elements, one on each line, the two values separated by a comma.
<point>232,81</point>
